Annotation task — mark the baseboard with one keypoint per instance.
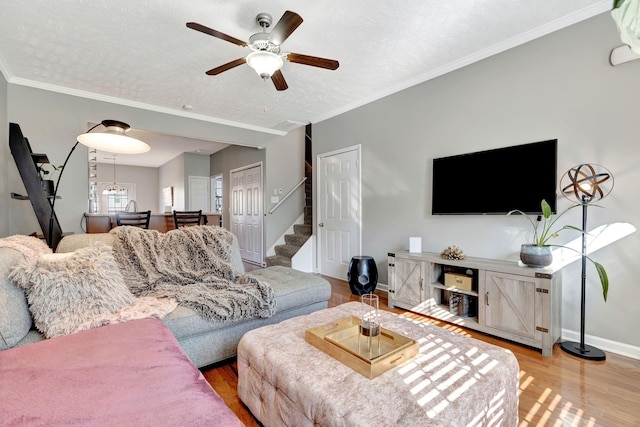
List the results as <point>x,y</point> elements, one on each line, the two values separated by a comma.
<point>382,287</point>
<point>604,344</point>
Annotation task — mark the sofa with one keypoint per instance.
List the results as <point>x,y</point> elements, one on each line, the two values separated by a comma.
<point>139,371</point>
<point>205,342</point>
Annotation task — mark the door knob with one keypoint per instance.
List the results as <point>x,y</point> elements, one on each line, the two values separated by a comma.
<point>321,224</point>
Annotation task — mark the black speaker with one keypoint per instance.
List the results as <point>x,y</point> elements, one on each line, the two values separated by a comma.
<point>362,275</point>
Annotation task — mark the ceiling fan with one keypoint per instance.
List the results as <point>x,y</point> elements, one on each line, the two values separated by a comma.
<point>265,57</point>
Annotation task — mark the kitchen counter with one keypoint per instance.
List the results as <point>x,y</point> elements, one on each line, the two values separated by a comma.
<point>163,222</point>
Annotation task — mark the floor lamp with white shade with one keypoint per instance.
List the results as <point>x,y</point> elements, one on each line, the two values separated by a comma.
<point>113,140</point>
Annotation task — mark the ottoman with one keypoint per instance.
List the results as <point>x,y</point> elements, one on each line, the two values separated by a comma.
<point>453,381</point>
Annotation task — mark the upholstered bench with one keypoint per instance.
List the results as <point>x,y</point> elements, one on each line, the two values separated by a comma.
<point>454,380</point>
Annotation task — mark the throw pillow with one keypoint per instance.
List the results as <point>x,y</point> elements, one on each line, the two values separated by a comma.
<point>65,292</point>
<point>15,319</point>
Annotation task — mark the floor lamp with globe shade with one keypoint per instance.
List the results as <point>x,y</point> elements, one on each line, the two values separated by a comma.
<point>586,183</point>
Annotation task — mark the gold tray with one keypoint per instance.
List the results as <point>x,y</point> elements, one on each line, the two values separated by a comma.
<point>370,357</point>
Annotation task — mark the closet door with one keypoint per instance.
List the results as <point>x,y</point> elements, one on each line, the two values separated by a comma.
<point>246,212</point>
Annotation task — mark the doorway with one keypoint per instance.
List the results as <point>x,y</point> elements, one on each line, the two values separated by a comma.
<point>199,193</point>
<point>246,211</point>
<point>339,206</point>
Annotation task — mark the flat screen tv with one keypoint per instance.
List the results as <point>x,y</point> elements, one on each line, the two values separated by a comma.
<point>494,182</point>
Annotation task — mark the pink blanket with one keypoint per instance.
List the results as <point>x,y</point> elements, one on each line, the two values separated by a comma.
<point>132,373</point>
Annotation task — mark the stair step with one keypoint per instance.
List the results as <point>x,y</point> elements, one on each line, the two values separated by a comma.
<point>305,229</point>
<point>278,260</point>
<point>286,250</point>
<point>296,239</point>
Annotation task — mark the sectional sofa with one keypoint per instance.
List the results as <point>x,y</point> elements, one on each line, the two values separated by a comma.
<point>112,350</point>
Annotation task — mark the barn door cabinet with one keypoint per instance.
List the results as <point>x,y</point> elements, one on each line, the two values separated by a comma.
<point>500,298</point>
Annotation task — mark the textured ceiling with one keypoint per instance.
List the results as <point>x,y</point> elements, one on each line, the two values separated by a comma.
<point>141,53</point>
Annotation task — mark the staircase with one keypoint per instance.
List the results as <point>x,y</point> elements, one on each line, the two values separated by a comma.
<point>301,232</point>
<point>293,243</point>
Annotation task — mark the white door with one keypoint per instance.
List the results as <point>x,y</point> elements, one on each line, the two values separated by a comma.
<point>339,232</point>
<point>246,212</point>
<point>199,193</point>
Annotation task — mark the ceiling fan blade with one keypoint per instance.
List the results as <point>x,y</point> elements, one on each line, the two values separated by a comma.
<point>225,67</point>
<point>278,80</point>
<point>285,26</point>
<point>215,33</point>
<point>314,61</point>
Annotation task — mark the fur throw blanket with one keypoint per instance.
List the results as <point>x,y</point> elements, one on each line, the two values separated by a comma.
<point>191,265</point>
<point>28,246</point>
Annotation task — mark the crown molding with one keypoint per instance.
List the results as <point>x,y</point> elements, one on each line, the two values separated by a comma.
<point>140,105</point>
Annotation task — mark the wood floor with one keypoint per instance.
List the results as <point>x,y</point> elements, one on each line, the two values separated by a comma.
<point>554,391</point>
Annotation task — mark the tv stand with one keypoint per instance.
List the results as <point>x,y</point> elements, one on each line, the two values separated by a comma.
<point>507,300</point>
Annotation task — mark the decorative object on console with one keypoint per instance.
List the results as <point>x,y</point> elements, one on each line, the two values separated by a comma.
<point>587,183</point>
<point>415,245</point>
<point>462,305</point>
<point>362,275</point>
<point>453,252</point>
<point>538,253</point>
<point>113,140</point>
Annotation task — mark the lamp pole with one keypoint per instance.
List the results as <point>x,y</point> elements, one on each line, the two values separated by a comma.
<point>112,140</point>
<point>55,191</point>
<point>583,299</point>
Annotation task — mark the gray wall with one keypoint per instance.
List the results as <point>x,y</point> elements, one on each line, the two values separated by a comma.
<point>285,160</point>
<point>283,167</point>
<point>233,157</point>
<point>194,165</point>
<point>171,174</point>
<point>52,121</point>
<point>560,86</point>
<point>145,178</point>
<point>5,160</point>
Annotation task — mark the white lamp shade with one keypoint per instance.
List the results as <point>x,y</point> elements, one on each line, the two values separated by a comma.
<point>113,139</point>
<point>264,63</point>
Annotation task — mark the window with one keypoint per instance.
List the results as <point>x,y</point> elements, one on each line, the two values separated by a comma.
<point>112,203</point>
<point>217,194</point>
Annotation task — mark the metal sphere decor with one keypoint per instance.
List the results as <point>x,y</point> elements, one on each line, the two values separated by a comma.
<point>586,183</point>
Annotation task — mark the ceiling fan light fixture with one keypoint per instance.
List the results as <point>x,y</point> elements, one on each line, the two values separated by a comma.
<point>264,63</point>
<point>113,139</point>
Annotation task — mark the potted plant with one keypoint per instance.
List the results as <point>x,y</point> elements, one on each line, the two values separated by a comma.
<point>538,253</point>
<point>46,171</point>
